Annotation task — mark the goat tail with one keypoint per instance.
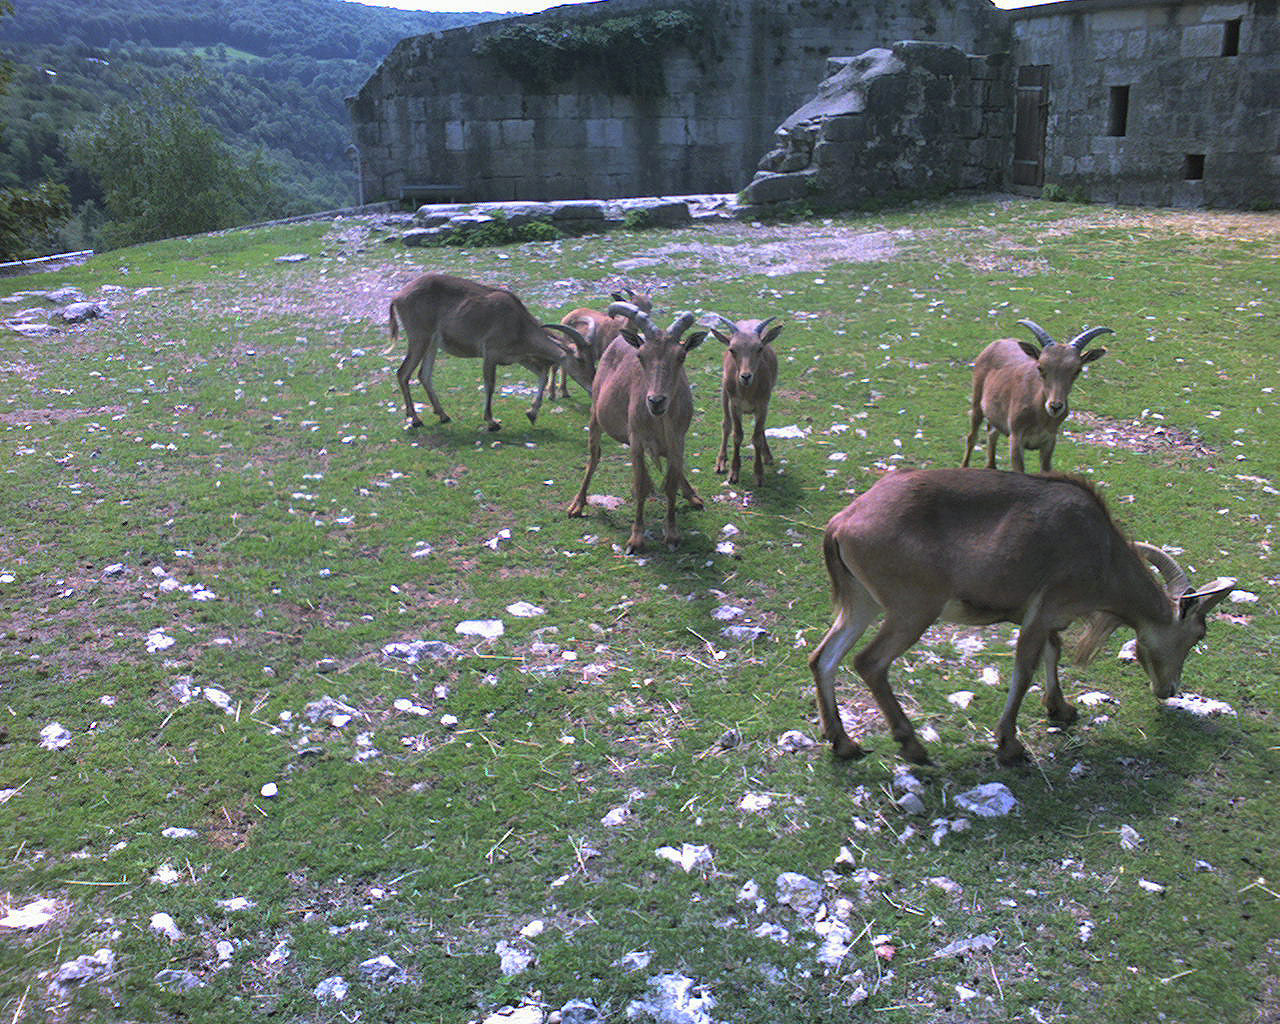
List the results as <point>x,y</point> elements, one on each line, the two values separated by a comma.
<point>843,581</point>
<point>395,332</point>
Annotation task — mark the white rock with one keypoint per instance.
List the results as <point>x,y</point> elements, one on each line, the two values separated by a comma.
<point>1202,707</point>
<point>269,790</point>
<point>408,707</point>
<point>533,929</point>
<point>236,903</point>
<point>489,629</point>
<point>219,699</point>
<point>497,539</point>
<point>166,874</point>
<point>636,960</point>
<point>729,530</point>
<point>799,892</point>
<point>1129,838</point>
<point>905,782</point>
<point>36,914</point>
<point>1150,886</point>
<point>769,930</point>
<point>991,800</point>
<point>1086,930</point>
<point>961,698</point>
<point>616,816</point>
<point>911,804</point>
<point>449,721</point>
<point>332,990</point>
<point>1242,597</point>
<point>173,832</point>
<point>789,432</point>
<point>793,740</point>
<point>525,610</point>
<point>755,802</point>
<point>54,737</point>
<point>674,999</point>
<point>158,640</point>
<point>225,950</point>
<point>1129,650</point>
<point>280,953</point>
<point>164,925</point>
<point>1095,697</point>
<point>513,959</point>
<point>977,943</point>
<point>726,613</point>
<point>85,968</point>
<point>688,857</point>
<point>964,993</point>
<point>990,676</point>
<point>526,1014</point>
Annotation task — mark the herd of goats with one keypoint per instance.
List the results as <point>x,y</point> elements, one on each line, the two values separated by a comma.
<point>971,546</point>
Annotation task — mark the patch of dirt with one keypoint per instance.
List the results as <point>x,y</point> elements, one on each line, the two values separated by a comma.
<point>21,417</point>
<point>1135,436</point>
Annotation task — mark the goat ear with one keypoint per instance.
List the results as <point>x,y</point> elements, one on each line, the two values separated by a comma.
<point>1092,354</point>
<point>771,333</point>
<point>1202,602</point>
<point>631,337</point>
<point>724,340</point>
<point>1029,349</point>
<point>693,340</point>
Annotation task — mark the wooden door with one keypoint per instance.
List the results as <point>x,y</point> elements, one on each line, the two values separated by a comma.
<point>1031,120</point>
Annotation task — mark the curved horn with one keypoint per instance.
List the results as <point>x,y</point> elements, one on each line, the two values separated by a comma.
<point>680,324</point>
<point>635,315</point>
<point>1086,336</point>
<point>763,324</point>
<point>574,335</point>
<point>1041,334</point>
<point>1175,578</point>
<point>724,320</point>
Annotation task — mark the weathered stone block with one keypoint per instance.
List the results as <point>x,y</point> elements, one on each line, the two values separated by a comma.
<point>777,188</point>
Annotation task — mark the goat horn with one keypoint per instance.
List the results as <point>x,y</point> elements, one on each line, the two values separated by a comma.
<point>1086,336</point>
<point>680,324</point>
<point>725,321</point>
<point>575,335</point>
<point>635,315</point>
<point>1175,578</point>
<point>763,324</point>
<point>1041,334</point>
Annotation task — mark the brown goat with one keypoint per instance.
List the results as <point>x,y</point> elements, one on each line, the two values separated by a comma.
<point>1022,392</point>
<point>599,328</point>
<point>641,398</point>
<point>750,372</point>
<point>984,546</point>
<point>478,321</point>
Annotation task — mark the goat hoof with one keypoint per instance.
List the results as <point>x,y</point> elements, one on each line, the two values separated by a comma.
<point>1065,715</point>
<point>415,422</point>
<point>443,419</point>
<point>846,750</point>
<point>913,751</point>
<point>696,502</point>
<point>1012,755</point>
<point>635,545</point>
<point>533,417</point>
<point>720,467</point>
<point>494,426</point>
<point>576,510</point>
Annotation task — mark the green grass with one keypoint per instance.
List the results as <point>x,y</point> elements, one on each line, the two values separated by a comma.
<point>235,423</point>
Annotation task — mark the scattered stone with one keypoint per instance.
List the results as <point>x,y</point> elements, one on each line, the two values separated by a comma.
<point>754,803</point>
<point>525,610</point>
<point>225,950</point>
<point>326,665</point>
<point>1129,651</point>
<point>293,257</point>
<point>533,929</point>
<point>688,857</point>
<point>905,782</point>
<point>744,634</point>
<point>789,433</point>
<point>219,699</point>
<point>769,930</point>
<point>1201,707</point>
<point>54,737</point>
<point>1204,865</point>
<point>408,707</point>
<point>159,640</point>
<point>332,990</point>
<point>173,832</point>
<point>836,937</point>
<point>36,914</point>
<point>113,570</point>
<point>961,698</point>
<point>799,892</point>
<point>674,999</point>
<point>164,925</point>
<point>580,1011</point>
<point>488,629</point>
<point>726,613</point>
<point>416,650</point>
<point>166,874</point>
<point>269,790</point>
<point>1086,930</point>
<point>327,707</point>
<point>944,883</point>
<point>280,953</point>
<point>383,972</point>
<point>1129,838</point>
<point>961,947</point>
<point>513,959</point>
<point>991,800</point>
<point>89,967</point>
<point>236,903</point>
<point>910,803</point>
<point>1242,597</point>
<point>1095,697</point>
<point>78,312</point>
<point>794,740</point>
<point>729,739</point>
<point>845,863</point>
<point>526,1014</point>
<point>942,827</point>
<point>177,980</point>
<point>636,960</point>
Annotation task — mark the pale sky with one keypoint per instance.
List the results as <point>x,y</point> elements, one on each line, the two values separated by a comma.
<point>530,6</point>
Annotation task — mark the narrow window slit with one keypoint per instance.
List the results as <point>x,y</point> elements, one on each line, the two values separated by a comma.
<point>1193,167</point>
<point>1118,123</point>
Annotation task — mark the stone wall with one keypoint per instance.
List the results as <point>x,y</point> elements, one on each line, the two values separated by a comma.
<point>1148,103</point>
<point>436,113</point>
<point>916,119</point>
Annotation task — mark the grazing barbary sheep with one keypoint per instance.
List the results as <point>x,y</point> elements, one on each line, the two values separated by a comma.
<point>1022,391</point>
<point>599,328</point>
<point>984,546</point>
<point>750,371</point>
<point>478,321</point>
<point>641,397</point>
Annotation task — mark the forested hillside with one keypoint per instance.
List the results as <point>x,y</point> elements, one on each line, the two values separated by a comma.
<point>273,77</point>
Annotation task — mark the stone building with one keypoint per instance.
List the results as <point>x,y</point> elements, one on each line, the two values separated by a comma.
<point>1114,100</point>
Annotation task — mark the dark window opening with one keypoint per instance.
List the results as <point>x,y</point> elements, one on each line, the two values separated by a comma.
<point>1119,121</point>
<point>1231,38</point>
<point>1193,167</point>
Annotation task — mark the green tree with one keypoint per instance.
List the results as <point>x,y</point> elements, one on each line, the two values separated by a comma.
<point>164,171</point>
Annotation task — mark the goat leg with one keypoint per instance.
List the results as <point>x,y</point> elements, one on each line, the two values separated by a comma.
<point>642,487</point>
<point>898,632</point>
<point>1032,639</point>
<point>578,506</point>
<point>1060,712</point>
<point>425,370</point>
<point>490,381</point>
<point>722,458</point>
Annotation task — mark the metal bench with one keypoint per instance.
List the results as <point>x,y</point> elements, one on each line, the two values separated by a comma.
<point>430,193</point>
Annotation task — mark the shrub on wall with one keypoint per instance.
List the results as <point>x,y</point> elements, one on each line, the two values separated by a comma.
<point>624,53</point>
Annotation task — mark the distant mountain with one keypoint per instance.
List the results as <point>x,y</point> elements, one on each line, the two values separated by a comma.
<point>276,72</point>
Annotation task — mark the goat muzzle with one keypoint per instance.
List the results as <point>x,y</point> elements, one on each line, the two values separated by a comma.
<point>657,404</point>
<point>745,379</point>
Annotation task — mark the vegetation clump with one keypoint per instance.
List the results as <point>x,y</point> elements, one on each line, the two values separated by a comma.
<point>624,53</point>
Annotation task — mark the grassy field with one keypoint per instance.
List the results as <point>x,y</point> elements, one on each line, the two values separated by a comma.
<point>215,519</point>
